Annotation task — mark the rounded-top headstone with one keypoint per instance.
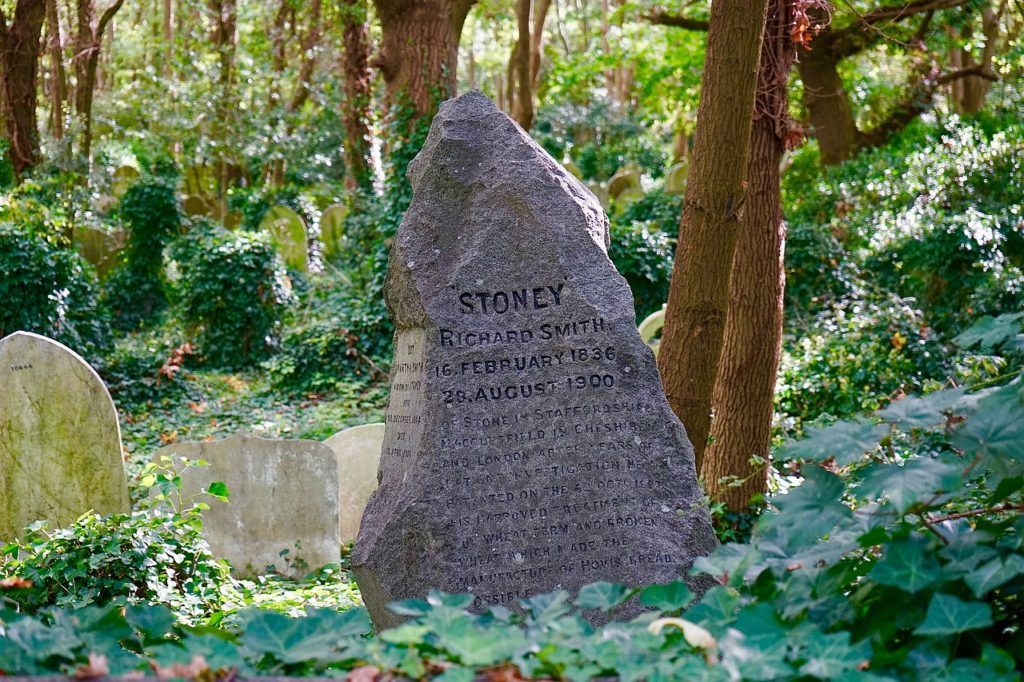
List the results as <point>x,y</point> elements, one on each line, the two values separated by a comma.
<point>288,231</point>
<point>99,247</point>
<point>195,205</point>
<point>123,179</point>
<point>332,229</point>
<point>624,178</point>
<point>60,442</point>
<point>282,497</point>
<point>358,452</point>
<point>528,446</point>
<point>574,169</point>
<point>675,178</point>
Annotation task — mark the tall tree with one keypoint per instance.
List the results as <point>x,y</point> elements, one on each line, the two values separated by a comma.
<point>969,93</point>
<point>418,51</point>
<point>355,58</point>
<point>744,394</point>
<point>58,78</point>
<point>88,43</point>
<point>19,59</point>
<point>525,60</point>
<point>699,295</point>
<point>225,39</point>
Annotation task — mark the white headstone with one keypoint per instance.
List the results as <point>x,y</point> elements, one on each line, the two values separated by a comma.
<point>358,452</point>
<point>332,229</point>
<point>288,231</point>
<point>60,443</point>
<point>282,497</point>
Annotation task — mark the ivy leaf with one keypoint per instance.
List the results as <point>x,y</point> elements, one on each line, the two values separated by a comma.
<point>715,608</point>
<point>996,429</point>
<point>154,621</point>
<point>988,333</point>
<point>908,565</point>
<point>602,595</point>
<point>294,640</point>
<point>918,480</point>
<point>668,597</point>
<point>482,648</point>
<point>846,441</point>
<point>995,573</point>
<point>807,512</point>
<point>218,489</point>
<point>948,615</point>
<point>829,656</point>
<point>922,412</point>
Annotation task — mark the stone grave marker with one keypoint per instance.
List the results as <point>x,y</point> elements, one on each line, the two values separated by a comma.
<point>60,442</point>
<point>288,231</point>
<point>123,179</point>
<point>99,247</point>
<point>282,495</point>
<point>624,178</point>
<point>332,229</point>
<point>675,178</point>
<point>358,452</point>
<point>195,205</point>
<point>529,445</point>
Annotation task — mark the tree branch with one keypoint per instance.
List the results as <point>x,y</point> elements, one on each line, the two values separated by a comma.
<point>864,32</point>
<point>663,18</point>
<point>107,16</point>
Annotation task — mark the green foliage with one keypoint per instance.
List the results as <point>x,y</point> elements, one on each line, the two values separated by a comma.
<point>853,354</point>
<point>137,290</point>
<point>233,293</point>
<point>152,555</point>
<point>644,257</point>
<point>50,290</point>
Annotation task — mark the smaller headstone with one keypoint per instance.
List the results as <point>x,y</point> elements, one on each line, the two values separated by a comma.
<point>289,234</point>
<point>358,452</point>
<point>123,179</point>
<point>60,442</point>
<point>194,205</point>
<point>233,219</point>
<point>197,180</point>
<point>332,229</point>
<point>627,197</point>
<point>282,497</point>
<point>573,169</point>
<point>99,247</point>
<point>601,192</point>
<point>623,179</point>
<point>650,328</point>
<point>675,178</point>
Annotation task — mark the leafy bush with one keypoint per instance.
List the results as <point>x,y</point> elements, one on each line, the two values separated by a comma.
<point>853,355</point>
<point>897,554</point>
<point>154,554</point>
<point>49,290</point>
<point>137,289</point>
<point>233,294</point>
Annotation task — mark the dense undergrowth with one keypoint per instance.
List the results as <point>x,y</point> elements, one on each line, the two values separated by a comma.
<point>892,546</point>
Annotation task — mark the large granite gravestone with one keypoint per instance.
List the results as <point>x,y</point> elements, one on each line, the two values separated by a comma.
<point>529,445</point>
<point>282,497</point>
<point>358,452</point>
<point>60,442</point>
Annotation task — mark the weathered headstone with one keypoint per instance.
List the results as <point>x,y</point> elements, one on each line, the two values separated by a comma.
<point>529,445</point>
<point>195,205</point>
<point>123,179</point>
<point>60,442</point>
<point>99,247</point>
<point>675,178</point>
<point>627,197</point>
<point>624,178</point>
<point>282,496</point>
<point>288,231</point>
<point>358,452</point>
<point>332,229</point>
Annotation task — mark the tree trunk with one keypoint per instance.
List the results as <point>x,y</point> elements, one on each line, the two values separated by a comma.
<point>970,92</point>
<point>225,37</point>
<point>522,111</point>
<point>88,42</point>
<point>540,18</point>
<point>19,49</point>
<point>828,107</point>
<point>698,298</point>
<point>58,79</point>
<point>310,45</point>
<point>744,396</point>
<point>356,114</point>
<point>168,35</point>
<point>419,50</point>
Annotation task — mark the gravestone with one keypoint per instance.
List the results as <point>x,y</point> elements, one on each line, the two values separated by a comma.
<point>675,178</point>
<point>99,247</point>
<point>332,229</point>
<point>123,179</point>
<point>529,445</point>
<point>624,178</point>
<point>282,496</point>
<point>288,231</point>
<point>195,205</point>
<point>60,442</point>
<point>358,452</point>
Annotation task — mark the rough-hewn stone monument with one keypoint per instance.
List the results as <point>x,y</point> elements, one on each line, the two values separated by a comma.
<point>60,442</point>
<point>282,495</point>
<point>529,445</point>
<point>358,452</point>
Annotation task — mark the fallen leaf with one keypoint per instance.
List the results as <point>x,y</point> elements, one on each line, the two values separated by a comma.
<point>365,673</point>
<point>198,408</point>
<point>168,438</point>
<point>15,583</point>
<point>98,666</point>
<point>196,667</point>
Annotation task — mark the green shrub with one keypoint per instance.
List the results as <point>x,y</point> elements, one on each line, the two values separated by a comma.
<point>153,555</point>
<point>644,257</point>
<point>137,289</point>
<point>853,355</point>
<point>49,290</point>
<point>233,294</point>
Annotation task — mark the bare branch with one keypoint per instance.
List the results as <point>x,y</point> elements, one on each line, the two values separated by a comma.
<point>107,16</point>
<point>865,32</point>
<point>663,18</point>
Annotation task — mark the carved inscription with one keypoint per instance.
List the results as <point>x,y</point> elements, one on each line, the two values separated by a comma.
<point>545,456</point>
